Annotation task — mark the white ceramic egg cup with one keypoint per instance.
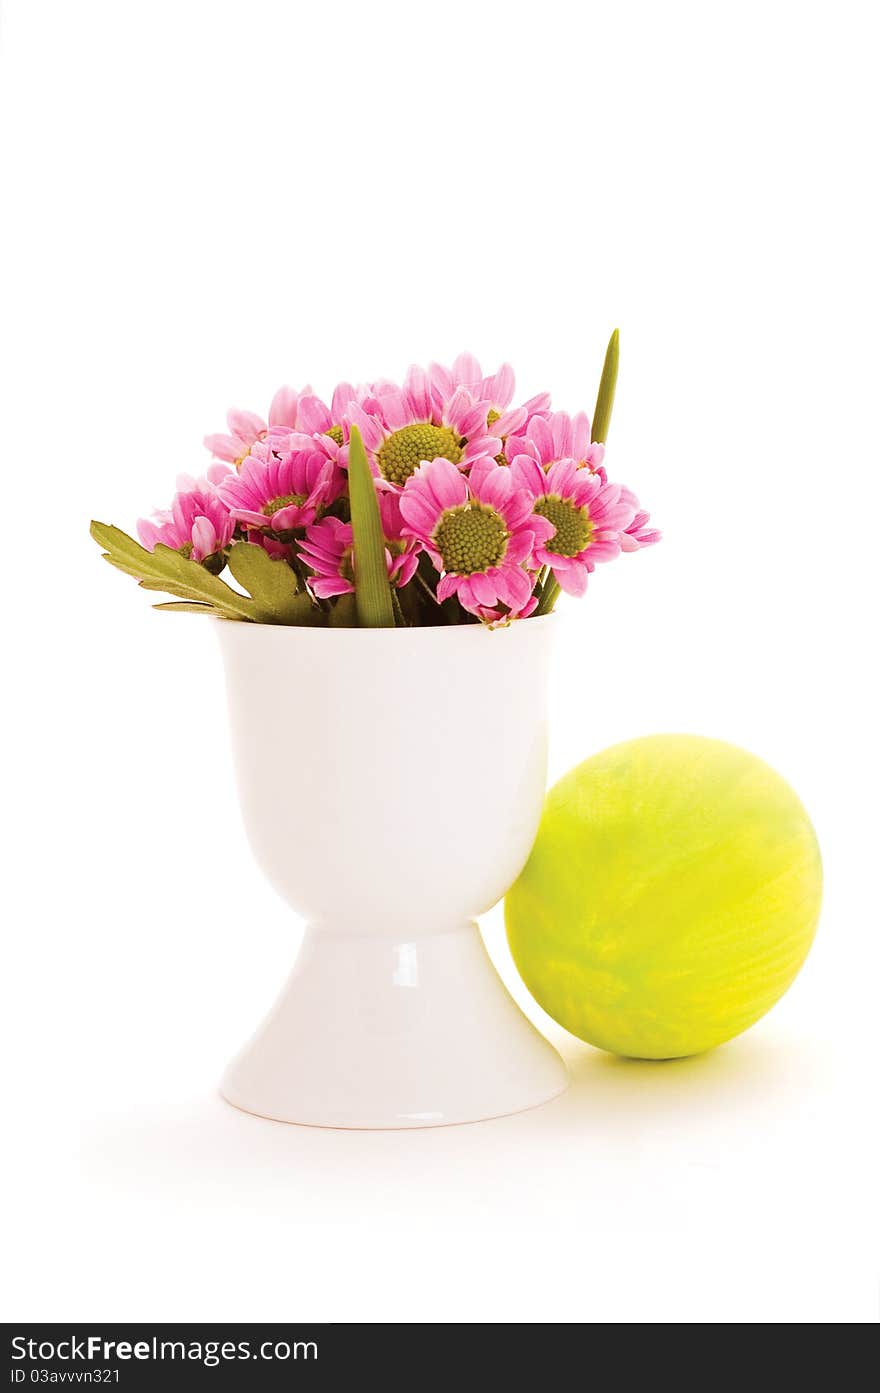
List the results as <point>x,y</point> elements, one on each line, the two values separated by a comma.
<point>391,782</point>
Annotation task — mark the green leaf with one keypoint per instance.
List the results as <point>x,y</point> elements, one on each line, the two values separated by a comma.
<point>343,615</point>
<point>117,543</point>
<point>184,607</point>
<point>165,569</point>
<point>607,388</point>
<point>123,566</point>
<point>372,590</point>
<point>272,585</point>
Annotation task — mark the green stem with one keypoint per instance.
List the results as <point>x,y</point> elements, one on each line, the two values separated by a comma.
<point>299,571</point>
<point>426,587</point>
<point>548,596</point>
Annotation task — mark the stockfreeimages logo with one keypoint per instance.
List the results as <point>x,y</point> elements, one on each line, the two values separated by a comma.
<point>96,1350</point>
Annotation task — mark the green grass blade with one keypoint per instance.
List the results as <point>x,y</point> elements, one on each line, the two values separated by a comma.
<point>607,388</point>
<point>372,590</point>
<point>601,422</point>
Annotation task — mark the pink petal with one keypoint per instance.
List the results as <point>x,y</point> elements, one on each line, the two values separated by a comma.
<point>482,444</point>
<point>441,382</point>
<point>560,429</point>
<point>313,416</point>
<point>466,594</point>
<point>370,428</point>
<point>342,398</point>
<point>561,477</point>
<point>495,486</point>
<point>541,528</point>
<point>246,424</point>
<point>517,511</point>
<point>282,411</point>
<point>223,446</point>
<point>499,389</point>
<point>528,608</point>
<point>204,538</point>
<point>417,390</point>
<point>509,422</point>
<point>325,587</point>
<point>572,578</point>
<point>467,370</point>
<point>449,585</point>
<point>528,474</point>
<point>580,435</point>
<point>519,548</point>
<point>538,405</point>
<point>292,516</point>
<point>542,438</point>
<point>404,567</point>
<point>514,585</point>
<point>483,589</point>
<point>148,533</point>
<point>444,482</point>
<point>417,513</point>
<point>250,517</point>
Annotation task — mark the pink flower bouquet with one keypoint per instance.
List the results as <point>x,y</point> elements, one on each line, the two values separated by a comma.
<point>434,502</point>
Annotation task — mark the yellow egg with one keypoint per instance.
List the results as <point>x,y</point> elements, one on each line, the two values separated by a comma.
<point>670,899</point>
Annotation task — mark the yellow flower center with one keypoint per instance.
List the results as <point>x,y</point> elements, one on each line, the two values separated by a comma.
<point>403,452</point>
<point>492,417</point>
<point>285,500</point>
<point>574,530</point>
<point>471,538</point>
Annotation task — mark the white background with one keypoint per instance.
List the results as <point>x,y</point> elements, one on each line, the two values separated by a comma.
<point>202,200</point>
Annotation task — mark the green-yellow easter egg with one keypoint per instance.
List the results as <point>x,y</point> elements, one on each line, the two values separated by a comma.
<point>670,899</point>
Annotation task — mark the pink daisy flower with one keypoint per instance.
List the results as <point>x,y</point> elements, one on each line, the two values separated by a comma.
<point>402,426</point>
<point>281,494</point>
<point>328,428</point>
<point>480,532</point>
<point>328,551</point>
<point>558,436</point>
<point>496,391</point>
<point>246,429</point>
<point>315,417</point>
<point>198,523</point>
<point>588,517</point>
